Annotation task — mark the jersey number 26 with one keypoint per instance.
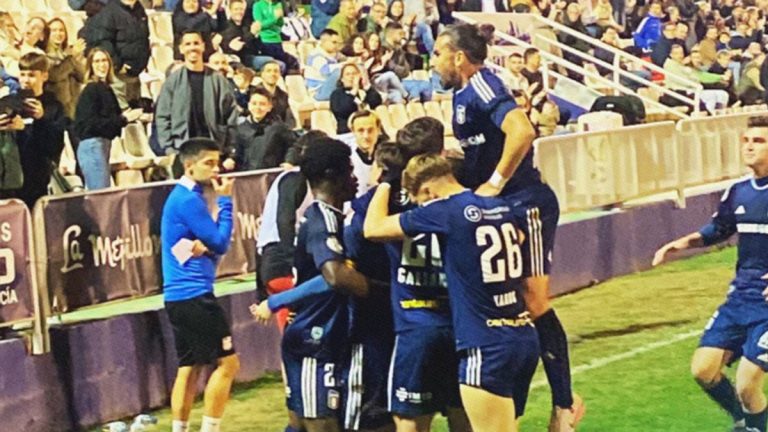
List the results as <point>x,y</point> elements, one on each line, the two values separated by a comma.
<point>502,258</point>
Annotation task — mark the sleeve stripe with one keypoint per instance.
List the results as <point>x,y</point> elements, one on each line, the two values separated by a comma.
<point>330,219</point>
<point>535,242</point>
<point>482,88</point>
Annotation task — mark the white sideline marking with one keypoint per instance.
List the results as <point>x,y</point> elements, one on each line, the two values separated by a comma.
<point>605,361</point>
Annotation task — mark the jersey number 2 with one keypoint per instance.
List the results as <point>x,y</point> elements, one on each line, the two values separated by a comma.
<point>502,257</point>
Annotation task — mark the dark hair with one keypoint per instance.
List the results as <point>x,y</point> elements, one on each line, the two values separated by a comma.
<point>326,159</point>
<point>470,39</point>
<point>423,135</point>
<point>515,55</point>
<point>34,61</point>
<point>296,153</point>
<point>340,83</point>
<point>191,148</point>
<point>389,10</point>
<point>392,25</point>
<point>328,32</point>
<point>389,156</point>
<point>261,91</point>
<point>191,31</point>
<point>530,52</point>
<point>758,122</point>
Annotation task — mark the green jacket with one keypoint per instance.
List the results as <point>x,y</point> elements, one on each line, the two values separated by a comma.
<point>271,27</point>
<point>344,27</point>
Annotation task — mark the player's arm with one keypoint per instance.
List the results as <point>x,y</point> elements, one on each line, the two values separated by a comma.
<point>343,278</point>
<point>379,224</point>
<point>519,135</point>
<point>262,312</point>
<point>722,226</point>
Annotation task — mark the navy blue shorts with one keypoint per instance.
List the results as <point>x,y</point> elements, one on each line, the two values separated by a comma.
<point>543,213</point>
<point>313,389</point>
<point>740,326</point>
<point>504,370</point>
<point>365,387</point>
<point>422,373</point>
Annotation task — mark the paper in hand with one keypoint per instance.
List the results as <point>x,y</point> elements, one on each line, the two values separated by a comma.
<point>182,250</point>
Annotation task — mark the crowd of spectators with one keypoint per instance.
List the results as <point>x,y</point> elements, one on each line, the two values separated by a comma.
<point>228,61</point>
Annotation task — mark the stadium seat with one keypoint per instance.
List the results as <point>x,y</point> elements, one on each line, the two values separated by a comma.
<point>433,109</point>
<point>447,108</point>
<point>415,110</point>
<point>600,121</point>
<point>323,120</point>
<point>386,122</point>
<point>162,59</point>
<point>59,6</point>
<point>11,6</point>
<point>398,115</point>
<point>138,154</point>
<point>36,6</point>
<point>117,155</point>
<point>161,28</point>
<point>129,177</point>
<point>419,74</point>
<point>291,48</point>
<point>304,48</point>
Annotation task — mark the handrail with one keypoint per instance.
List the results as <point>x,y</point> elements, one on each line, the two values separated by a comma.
<point>617,70</point>
<point>621,53</point>
<point>618,54</point>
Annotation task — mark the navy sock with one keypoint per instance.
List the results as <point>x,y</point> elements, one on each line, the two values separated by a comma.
<point>554,355</point>
<point>757,421</point>
<point>725,395</point>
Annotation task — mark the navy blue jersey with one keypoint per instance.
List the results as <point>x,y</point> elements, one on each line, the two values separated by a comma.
<point>320,327</point>
<point>419,288</point>
<point>744,210</point>
<point>478,112</point>
<point>371,316</point>
<point>484,265</point>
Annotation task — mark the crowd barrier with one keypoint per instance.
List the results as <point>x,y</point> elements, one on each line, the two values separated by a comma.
<point>18,290</point>
<point>595,169</point>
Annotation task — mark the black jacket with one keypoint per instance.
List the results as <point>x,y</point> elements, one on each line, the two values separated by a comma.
<point>233,31</point>
<point>262,145</point>
<point>98,114</point>
<point>201,22</point>
<point>123,32</point>
<point>344,104</point>
<point>40,146</point>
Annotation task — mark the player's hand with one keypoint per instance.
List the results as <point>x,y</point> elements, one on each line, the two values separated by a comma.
<point>261,312</point>
<point>222,185</point>
<point>35,107</point>
<point>198,248</point>
<point>488,190</point>
<point>673,246</point>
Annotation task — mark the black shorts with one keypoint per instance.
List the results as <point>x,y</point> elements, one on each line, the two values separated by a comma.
<point>200,330</point>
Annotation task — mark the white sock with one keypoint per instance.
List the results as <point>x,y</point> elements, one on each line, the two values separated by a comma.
<point>211,424</point>
<point>180,426</point>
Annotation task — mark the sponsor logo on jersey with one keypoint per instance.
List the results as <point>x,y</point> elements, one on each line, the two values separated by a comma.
<point>472,213</point>
<point>461,114</point>
<point>404,395</point>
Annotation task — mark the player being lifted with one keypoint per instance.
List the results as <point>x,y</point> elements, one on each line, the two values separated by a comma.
<point>740,325</point>
<point>484,267</point>
<point>496,138</point>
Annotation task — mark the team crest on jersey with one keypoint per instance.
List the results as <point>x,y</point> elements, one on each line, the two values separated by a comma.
<point>472,213</point>
<point>316,333</point>
<point>333,399</point>
<point>461,114</point>
<point>334,245</point>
